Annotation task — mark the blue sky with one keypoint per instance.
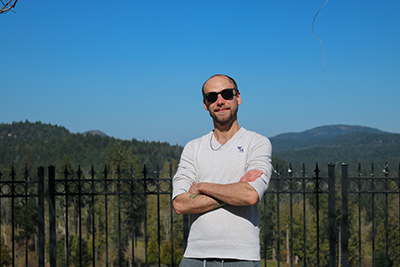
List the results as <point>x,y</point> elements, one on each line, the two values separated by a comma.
<point>134,69</point>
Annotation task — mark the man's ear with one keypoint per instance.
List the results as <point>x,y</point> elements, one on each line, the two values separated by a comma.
<point>239,98</point>
<point>205,104</point>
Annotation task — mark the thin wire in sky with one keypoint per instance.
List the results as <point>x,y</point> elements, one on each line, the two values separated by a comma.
<point>323,51</point>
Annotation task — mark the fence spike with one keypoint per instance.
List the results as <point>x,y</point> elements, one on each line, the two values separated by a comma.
<point>118,171</point>
<point>79,172</point>
<point>105,172</point>
<point>144,172</point>
<point>66,173</point>
<point>372,170</point>
<point>303,170</point>
<point>13,174</point>
<point>359,170</point>
<point>92,172</point>
<point>26,173</point>
<point>170,170</point>
<point>317,171</point>
<point>386,170</point>
<point>132,172</point>
<point>276,170</point>
<point>290,170</point>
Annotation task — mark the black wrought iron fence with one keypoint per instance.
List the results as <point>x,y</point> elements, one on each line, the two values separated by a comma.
<point>371,217</point>
<point>127,219</point>
<point>290,192</point>
<point>16,218</point>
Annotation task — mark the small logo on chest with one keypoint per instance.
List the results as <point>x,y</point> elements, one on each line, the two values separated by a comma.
<point>241,149</point>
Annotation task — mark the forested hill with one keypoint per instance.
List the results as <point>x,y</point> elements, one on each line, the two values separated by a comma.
<point>340,144</point>
<point>38,144</point>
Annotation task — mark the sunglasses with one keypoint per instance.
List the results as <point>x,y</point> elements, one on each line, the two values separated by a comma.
<point>226,94</point>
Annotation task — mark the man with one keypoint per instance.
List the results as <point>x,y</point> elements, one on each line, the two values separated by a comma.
<point>221,178</point>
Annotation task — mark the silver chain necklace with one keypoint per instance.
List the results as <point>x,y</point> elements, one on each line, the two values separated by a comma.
<point>211,146</point>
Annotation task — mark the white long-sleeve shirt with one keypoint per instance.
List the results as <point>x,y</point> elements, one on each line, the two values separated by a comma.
<point>229,232</point>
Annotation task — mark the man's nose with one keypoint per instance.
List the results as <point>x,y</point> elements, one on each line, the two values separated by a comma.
<point>220,100</point>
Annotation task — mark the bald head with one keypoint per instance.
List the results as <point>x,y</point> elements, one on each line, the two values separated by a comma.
<point>231,80</point>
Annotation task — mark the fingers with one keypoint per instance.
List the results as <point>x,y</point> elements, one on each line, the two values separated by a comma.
<point>194,189</point>
<point>251,176</point>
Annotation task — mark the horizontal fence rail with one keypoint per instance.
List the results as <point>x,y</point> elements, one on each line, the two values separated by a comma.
<point>120,218</point>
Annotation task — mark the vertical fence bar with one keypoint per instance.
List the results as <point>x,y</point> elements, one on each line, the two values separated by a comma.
<point>172,215</point>
<point>67,250</point>
<point>386,172</point>
<point>332,215</point>
<point>80,213</point>
<point>277,215</point>
<point>13,215</point>
<point>359,216</point>
<point>265,229</point>
<point>119,215</point>
<point>26,215</point>
<point>291,214</point>
<point>145,212</point>
<point>172,228</point>
<point>132,176</point>
<point>304,187</point>
<point>41,215</point>
<point>317,192</point>
<point>93,190</point>
<point>345,216</point>
<point>52,216</point>
<point>373,189</point>
<point>185,219</point>
<point>157,181</point>
<point>106,209</point>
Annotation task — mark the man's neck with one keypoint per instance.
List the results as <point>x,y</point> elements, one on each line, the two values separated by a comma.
<point>224,133</point>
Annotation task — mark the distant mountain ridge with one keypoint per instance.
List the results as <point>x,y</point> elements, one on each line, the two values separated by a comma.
<point>317,136</point>
<point>328,131</point>
<point>339,144</point>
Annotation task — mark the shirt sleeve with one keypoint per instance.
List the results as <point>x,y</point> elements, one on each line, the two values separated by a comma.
<point>185,176</point>
<point>260,158</point>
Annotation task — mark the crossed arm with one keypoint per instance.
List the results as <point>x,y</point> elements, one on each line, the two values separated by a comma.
<point>203,197</point>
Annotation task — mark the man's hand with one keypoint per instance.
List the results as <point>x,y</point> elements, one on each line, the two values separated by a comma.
<point>251,176</point>
<point>194,189</point>
<point>191,203</point>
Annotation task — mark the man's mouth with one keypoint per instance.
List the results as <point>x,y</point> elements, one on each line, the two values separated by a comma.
<point>221,109</point>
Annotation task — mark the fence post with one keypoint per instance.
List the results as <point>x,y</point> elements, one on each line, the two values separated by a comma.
<point>52,215</point>
<point>13,174</point>
<point>185,230</point>
<point>332,215</point>
<point>41,215</point>
<point>345,215</point>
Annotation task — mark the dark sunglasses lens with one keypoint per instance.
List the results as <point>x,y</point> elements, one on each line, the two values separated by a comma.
<point>211,97</point>
<point>227,94</point>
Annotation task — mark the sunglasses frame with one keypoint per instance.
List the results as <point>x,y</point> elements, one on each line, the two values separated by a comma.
<point>207,95</point>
